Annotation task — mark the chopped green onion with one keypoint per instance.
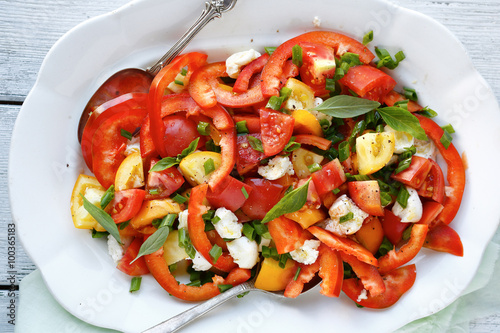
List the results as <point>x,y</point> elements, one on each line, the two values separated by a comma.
<point>356,177</point>
<point>245,193</point>
<point>297,55</point>
<point>385,247</point>
<point>407,233</point>
<point>402,104</point>
<point>386,59</point>
<point>324,123</point>
<point>185,243</point>
<point>379,128</point>
<point>270,49</point>
<point>179,198</point>
<point>403,165</point>
<point>215,219</point>
<point>409,152</point>
<point>123,225</point>
<point>184,71</point>
<point>211,146</point>
<point>344,152</point>
<point>224,287</point>
<point>135,284</point>
<point>283,259</point>
<point>126,134</point>
<point>154,191</point>
<point>448,128</point>
<point>209,215</point>
<point>336,191</point>
<point>108,196</point>
<point>403,196</point>
<point>172,268</point>
<point>156,223</point>
<point>209,166</point>
<point>446,139</point>
<point>427,112</point>
<point>203,128</point>
<point>297,274</point>
<point>178,82</point>
<point>255,143</point>
<point>261,230</point>
<point>368,37</point>
<point>291,145</point>
<point>347,217</point>
<point>314,167</point>
<point>241,127</point>
<point>410,94</point>
<point>99,234</point>
<point>249,231</point>
<point>168,220</point>
<point>385,198</point>
<point>215,252</point>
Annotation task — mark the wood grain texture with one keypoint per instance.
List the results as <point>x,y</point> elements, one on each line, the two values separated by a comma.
<point>29,28</point>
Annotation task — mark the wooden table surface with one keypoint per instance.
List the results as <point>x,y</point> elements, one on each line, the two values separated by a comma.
<point>28,29</point>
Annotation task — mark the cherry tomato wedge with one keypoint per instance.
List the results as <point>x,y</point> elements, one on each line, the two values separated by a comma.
<point>330,177</point>
<point>393,227</point>
<point>247,158</point>
<point>264,196</point>
<point>433,185</point>
<point>331,271</point>
<point>368,82</point>
<point>366,195</point>
<point>232,194</point>
<point>126,204</point>
<point>276,130</point>
<point>162,184</point>
<point>139,266</point>
<point>318,65</point>
<point>368,274</point>
<point>415,175</point>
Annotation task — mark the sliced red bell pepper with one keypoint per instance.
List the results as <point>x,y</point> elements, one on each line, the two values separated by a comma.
<point>430,210</point>
<point>394,259</point>
<point>416,173</point>
<point>243,80</point>
<point>368,274</point>
<point>287,235</point>
<point>330,177</point>
<point>368,82</point>
<point>455,173</point>
<point>331,271</point>
<point>167,75</point>
<point>295,286</point>
<point>433,185</point>
<point>313,140</point>
<point>276,130</point>
<point>397,282</point>
<point>196,228</point>
<point>343,244</point>
<point>272,72</point>
<point>138,267</point>
<point>443,238</point>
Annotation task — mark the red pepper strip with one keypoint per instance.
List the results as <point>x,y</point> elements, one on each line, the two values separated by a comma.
<point>306,274</point>
<point>168,73</point>
<point>196,228</point>
<point>331,271</point>
<point>243,80</point>
<point>397,282</point>
<point>368,274</point>
<point>313,140</point>
<point>394,259</point>
<point>444,239</point>
<point>456,170</point>
<point>227,144</point>
<point>288,235</point>
<point>271,74</point>
<point>160,271</point>
<point>205,89</point>
<point>343,244</point>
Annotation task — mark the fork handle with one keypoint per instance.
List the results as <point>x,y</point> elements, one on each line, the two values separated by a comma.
<point>174,323</point>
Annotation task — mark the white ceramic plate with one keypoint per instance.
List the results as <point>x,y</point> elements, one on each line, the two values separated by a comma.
<point>45,157</point>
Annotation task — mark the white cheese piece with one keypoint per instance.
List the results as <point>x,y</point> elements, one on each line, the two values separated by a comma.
<point>227,226</point>
<point>413,210</point>
<point>363,295</point>
<point>425,149</point>
<point>276,168</point>
<point>307,253</point>
<point>402,140</point>
<point>238,60</point>
<point>115,250</point>
<point>342,206</point>
<point>244,252</point>
<point>200,263</point>
<point>183,219</point>
<point>133,146</point>
<point>316,22</point>
<point>264,242</point>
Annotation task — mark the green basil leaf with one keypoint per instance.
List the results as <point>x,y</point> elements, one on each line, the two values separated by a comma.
<point>255,143</point>
<point>103,218</point>
<point>189,150</point>
<point>402,120</point>
<point>290,203</point>
<point>344,106</point>
<point>164,163</point>
<point>154,242</point>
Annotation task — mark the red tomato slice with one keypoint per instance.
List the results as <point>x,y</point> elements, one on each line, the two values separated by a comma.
<point>444,239</point>
<point>392,97</point>
<point>393,227</point>
<point>196,228</point>
<point>206,91</point>
<point>456,170</point>
<point>397,282</point>
<point>122,103</point>
<point>139,266</point>
<point>230,194</point>
<point>287,234</point>
<point>318,65</point>
<point>264,196</point>
<point>272,72</point>
<point>394,259</point>
<point>343,244</point>
<point>160,271</point>
<point>126,204</point>
<point>108,144</point>
<point>247,158</point>
<point>368,274</point>
<point>276,129</point>
<point>416,173</point>
<point>253,121</point>
<point>331,271</point>
<point>243,80</point>
<point>366,195</point>
<point>162,184</point>
<point>433,185</point>
<point>368,82</point>
<point>179,133</point>
<point>307,273</point>
<point>313,140</point>
<point>330,177</point>
<point>430,210</point>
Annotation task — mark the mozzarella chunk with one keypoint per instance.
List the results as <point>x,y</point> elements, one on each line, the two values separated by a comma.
<point>342,206</point>
<point>316,22</point>
<point>183,219</point>
<point>403,140</point>
<point>133,146</point>
<point>200,263</point>
<point>307,253</point>
<point>363,295</point>
<point>115,250</point>
<point>238,60</point>
<point>227,226</point>
<point>276,168</point>
<point>413,210</point>
<point>425,149</point>
<point>244,252</point>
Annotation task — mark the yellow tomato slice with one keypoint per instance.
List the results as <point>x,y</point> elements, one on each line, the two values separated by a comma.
<point>272,277</point>
<point>302,96</point>
<point>193,166</point>
<point>373,151</point>
<point>154,209</point>
<point>306,123</point>
<point>92,190</point>
<point>172,252</point>
<point>301,159</point>
<point>130,174</point>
